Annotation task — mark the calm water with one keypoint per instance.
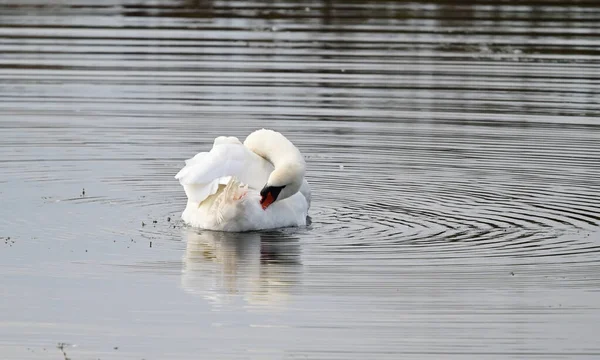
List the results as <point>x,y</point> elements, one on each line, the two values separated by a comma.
<point>453,152</point>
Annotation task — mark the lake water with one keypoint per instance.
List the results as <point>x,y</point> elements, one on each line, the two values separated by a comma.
<point>453,151</point>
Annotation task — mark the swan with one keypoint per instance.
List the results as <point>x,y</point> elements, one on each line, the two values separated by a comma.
<point>239,187</point>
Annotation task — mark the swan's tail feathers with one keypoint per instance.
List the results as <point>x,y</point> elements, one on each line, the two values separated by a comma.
<point>232,192</point>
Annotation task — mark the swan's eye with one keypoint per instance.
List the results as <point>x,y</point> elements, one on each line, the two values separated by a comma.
<point>269,194</point>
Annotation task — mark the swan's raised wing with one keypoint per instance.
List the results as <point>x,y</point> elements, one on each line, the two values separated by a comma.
<point>203,173</point>
<point>222,160</point>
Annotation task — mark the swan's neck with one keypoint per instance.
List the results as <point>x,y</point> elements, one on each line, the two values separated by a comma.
<point>287,160</point>
<point>274,147</point>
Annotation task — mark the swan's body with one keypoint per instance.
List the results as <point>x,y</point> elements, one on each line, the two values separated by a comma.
<point>223,186</point>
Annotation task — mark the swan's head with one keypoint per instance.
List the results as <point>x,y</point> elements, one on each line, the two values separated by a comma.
<point>283,183</point>
<point>289,165</point>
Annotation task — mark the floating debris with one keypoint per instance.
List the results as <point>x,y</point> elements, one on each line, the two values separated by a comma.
<point>61,346</point>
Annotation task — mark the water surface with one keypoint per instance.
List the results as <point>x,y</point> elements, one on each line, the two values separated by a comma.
<point>452,150</point>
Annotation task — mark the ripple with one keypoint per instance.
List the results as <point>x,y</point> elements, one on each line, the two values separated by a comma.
<point>513,202</point>
<point>409,140</point>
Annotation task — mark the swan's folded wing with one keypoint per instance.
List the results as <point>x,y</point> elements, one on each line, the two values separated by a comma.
<point>305,190</point>
<point>196,159</point>
<point>203,174</point>
<point>199,192</point>
<point>222,160</point>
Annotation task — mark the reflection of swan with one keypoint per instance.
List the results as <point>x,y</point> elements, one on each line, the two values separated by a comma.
<point>223,185</point>
<point>261,267</point>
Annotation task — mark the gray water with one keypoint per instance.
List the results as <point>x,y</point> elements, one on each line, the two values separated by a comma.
<point>453,152</point>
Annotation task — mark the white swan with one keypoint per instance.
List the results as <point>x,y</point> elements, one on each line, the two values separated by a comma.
<point>223,186</point>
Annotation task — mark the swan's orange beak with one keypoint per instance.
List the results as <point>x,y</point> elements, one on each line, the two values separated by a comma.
<point>266,200</point>
<point>269,194</point>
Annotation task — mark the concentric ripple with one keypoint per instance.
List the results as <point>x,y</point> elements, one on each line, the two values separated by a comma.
<point>463,193</point>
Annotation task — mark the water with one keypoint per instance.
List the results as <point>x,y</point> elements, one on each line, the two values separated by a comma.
<point>452,150</point>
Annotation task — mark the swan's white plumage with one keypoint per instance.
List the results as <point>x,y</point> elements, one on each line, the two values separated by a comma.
<point>223,185</point>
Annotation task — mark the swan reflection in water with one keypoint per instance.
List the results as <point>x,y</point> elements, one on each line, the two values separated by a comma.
<point>263,268</point>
